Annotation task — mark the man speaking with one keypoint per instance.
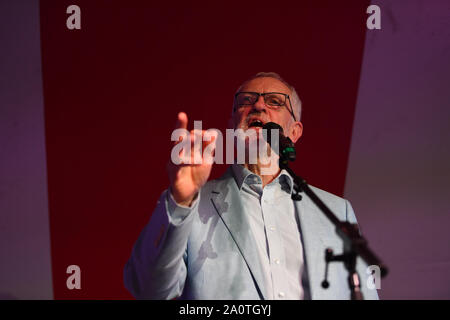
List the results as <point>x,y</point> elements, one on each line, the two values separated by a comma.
<point>241,236</point>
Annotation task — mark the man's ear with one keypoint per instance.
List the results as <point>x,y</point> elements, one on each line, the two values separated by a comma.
<point>296,131</point>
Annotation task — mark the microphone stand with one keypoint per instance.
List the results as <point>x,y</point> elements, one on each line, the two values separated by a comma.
<point>354,244</point>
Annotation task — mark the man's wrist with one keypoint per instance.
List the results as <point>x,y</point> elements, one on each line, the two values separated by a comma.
<point>187,203</point>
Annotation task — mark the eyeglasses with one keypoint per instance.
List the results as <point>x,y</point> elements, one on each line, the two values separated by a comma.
<point>273,100</point>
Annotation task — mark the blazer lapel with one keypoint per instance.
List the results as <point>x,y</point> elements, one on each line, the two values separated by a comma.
<point>226,201</point>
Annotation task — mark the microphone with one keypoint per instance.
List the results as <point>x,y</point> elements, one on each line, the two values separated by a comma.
<point>286,146</point>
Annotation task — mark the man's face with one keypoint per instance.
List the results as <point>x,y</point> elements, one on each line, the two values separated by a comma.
<point>245,116</point>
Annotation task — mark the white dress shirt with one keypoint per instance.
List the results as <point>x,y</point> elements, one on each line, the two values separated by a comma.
<point>273,222</point>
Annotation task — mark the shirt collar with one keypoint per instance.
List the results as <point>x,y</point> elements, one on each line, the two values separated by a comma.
<point>243,175</point>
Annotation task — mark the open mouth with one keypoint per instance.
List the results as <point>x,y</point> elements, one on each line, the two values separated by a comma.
<point>255,123</point>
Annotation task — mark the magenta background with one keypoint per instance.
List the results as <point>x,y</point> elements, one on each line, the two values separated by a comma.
<point>25,260</point>
<point>399,166</point>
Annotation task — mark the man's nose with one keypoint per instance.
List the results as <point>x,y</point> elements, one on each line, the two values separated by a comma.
<point>259,105</point>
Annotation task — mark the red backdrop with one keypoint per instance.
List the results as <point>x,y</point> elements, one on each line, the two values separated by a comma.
<point>112,91</point>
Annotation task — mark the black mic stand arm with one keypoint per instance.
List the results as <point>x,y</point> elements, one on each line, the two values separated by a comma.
<point>354,244</point>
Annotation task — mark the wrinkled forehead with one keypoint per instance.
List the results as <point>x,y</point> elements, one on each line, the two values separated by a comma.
<point>265,84</point>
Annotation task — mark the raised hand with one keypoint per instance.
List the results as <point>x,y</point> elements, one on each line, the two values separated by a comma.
<point>187,178</point>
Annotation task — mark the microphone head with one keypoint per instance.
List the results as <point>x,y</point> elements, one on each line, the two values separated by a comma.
<point>269,126</point>
<point>273,125</point>
<point>284,145</point>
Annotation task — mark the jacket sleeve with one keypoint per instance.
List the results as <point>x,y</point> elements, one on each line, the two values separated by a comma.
<point>157,268</point>
<point>367,287</point>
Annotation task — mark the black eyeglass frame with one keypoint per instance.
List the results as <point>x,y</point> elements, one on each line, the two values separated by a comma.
<point>286,96</point>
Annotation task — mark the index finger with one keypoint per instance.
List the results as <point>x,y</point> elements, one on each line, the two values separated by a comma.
<point>182,121</point>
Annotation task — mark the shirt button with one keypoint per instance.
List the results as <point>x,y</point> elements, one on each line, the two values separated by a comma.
<point>277,261</point>
<point>281,294</point>
<point>272,228</point>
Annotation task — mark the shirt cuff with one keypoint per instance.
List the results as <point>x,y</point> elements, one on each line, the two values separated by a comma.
<point>178,213</point>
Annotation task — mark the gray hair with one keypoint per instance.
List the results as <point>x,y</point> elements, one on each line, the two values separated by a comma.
<point>295,99</point>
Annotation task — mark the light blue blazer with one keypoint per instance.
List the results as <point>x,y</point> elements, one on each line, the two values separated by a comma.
<point>208,252</point>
